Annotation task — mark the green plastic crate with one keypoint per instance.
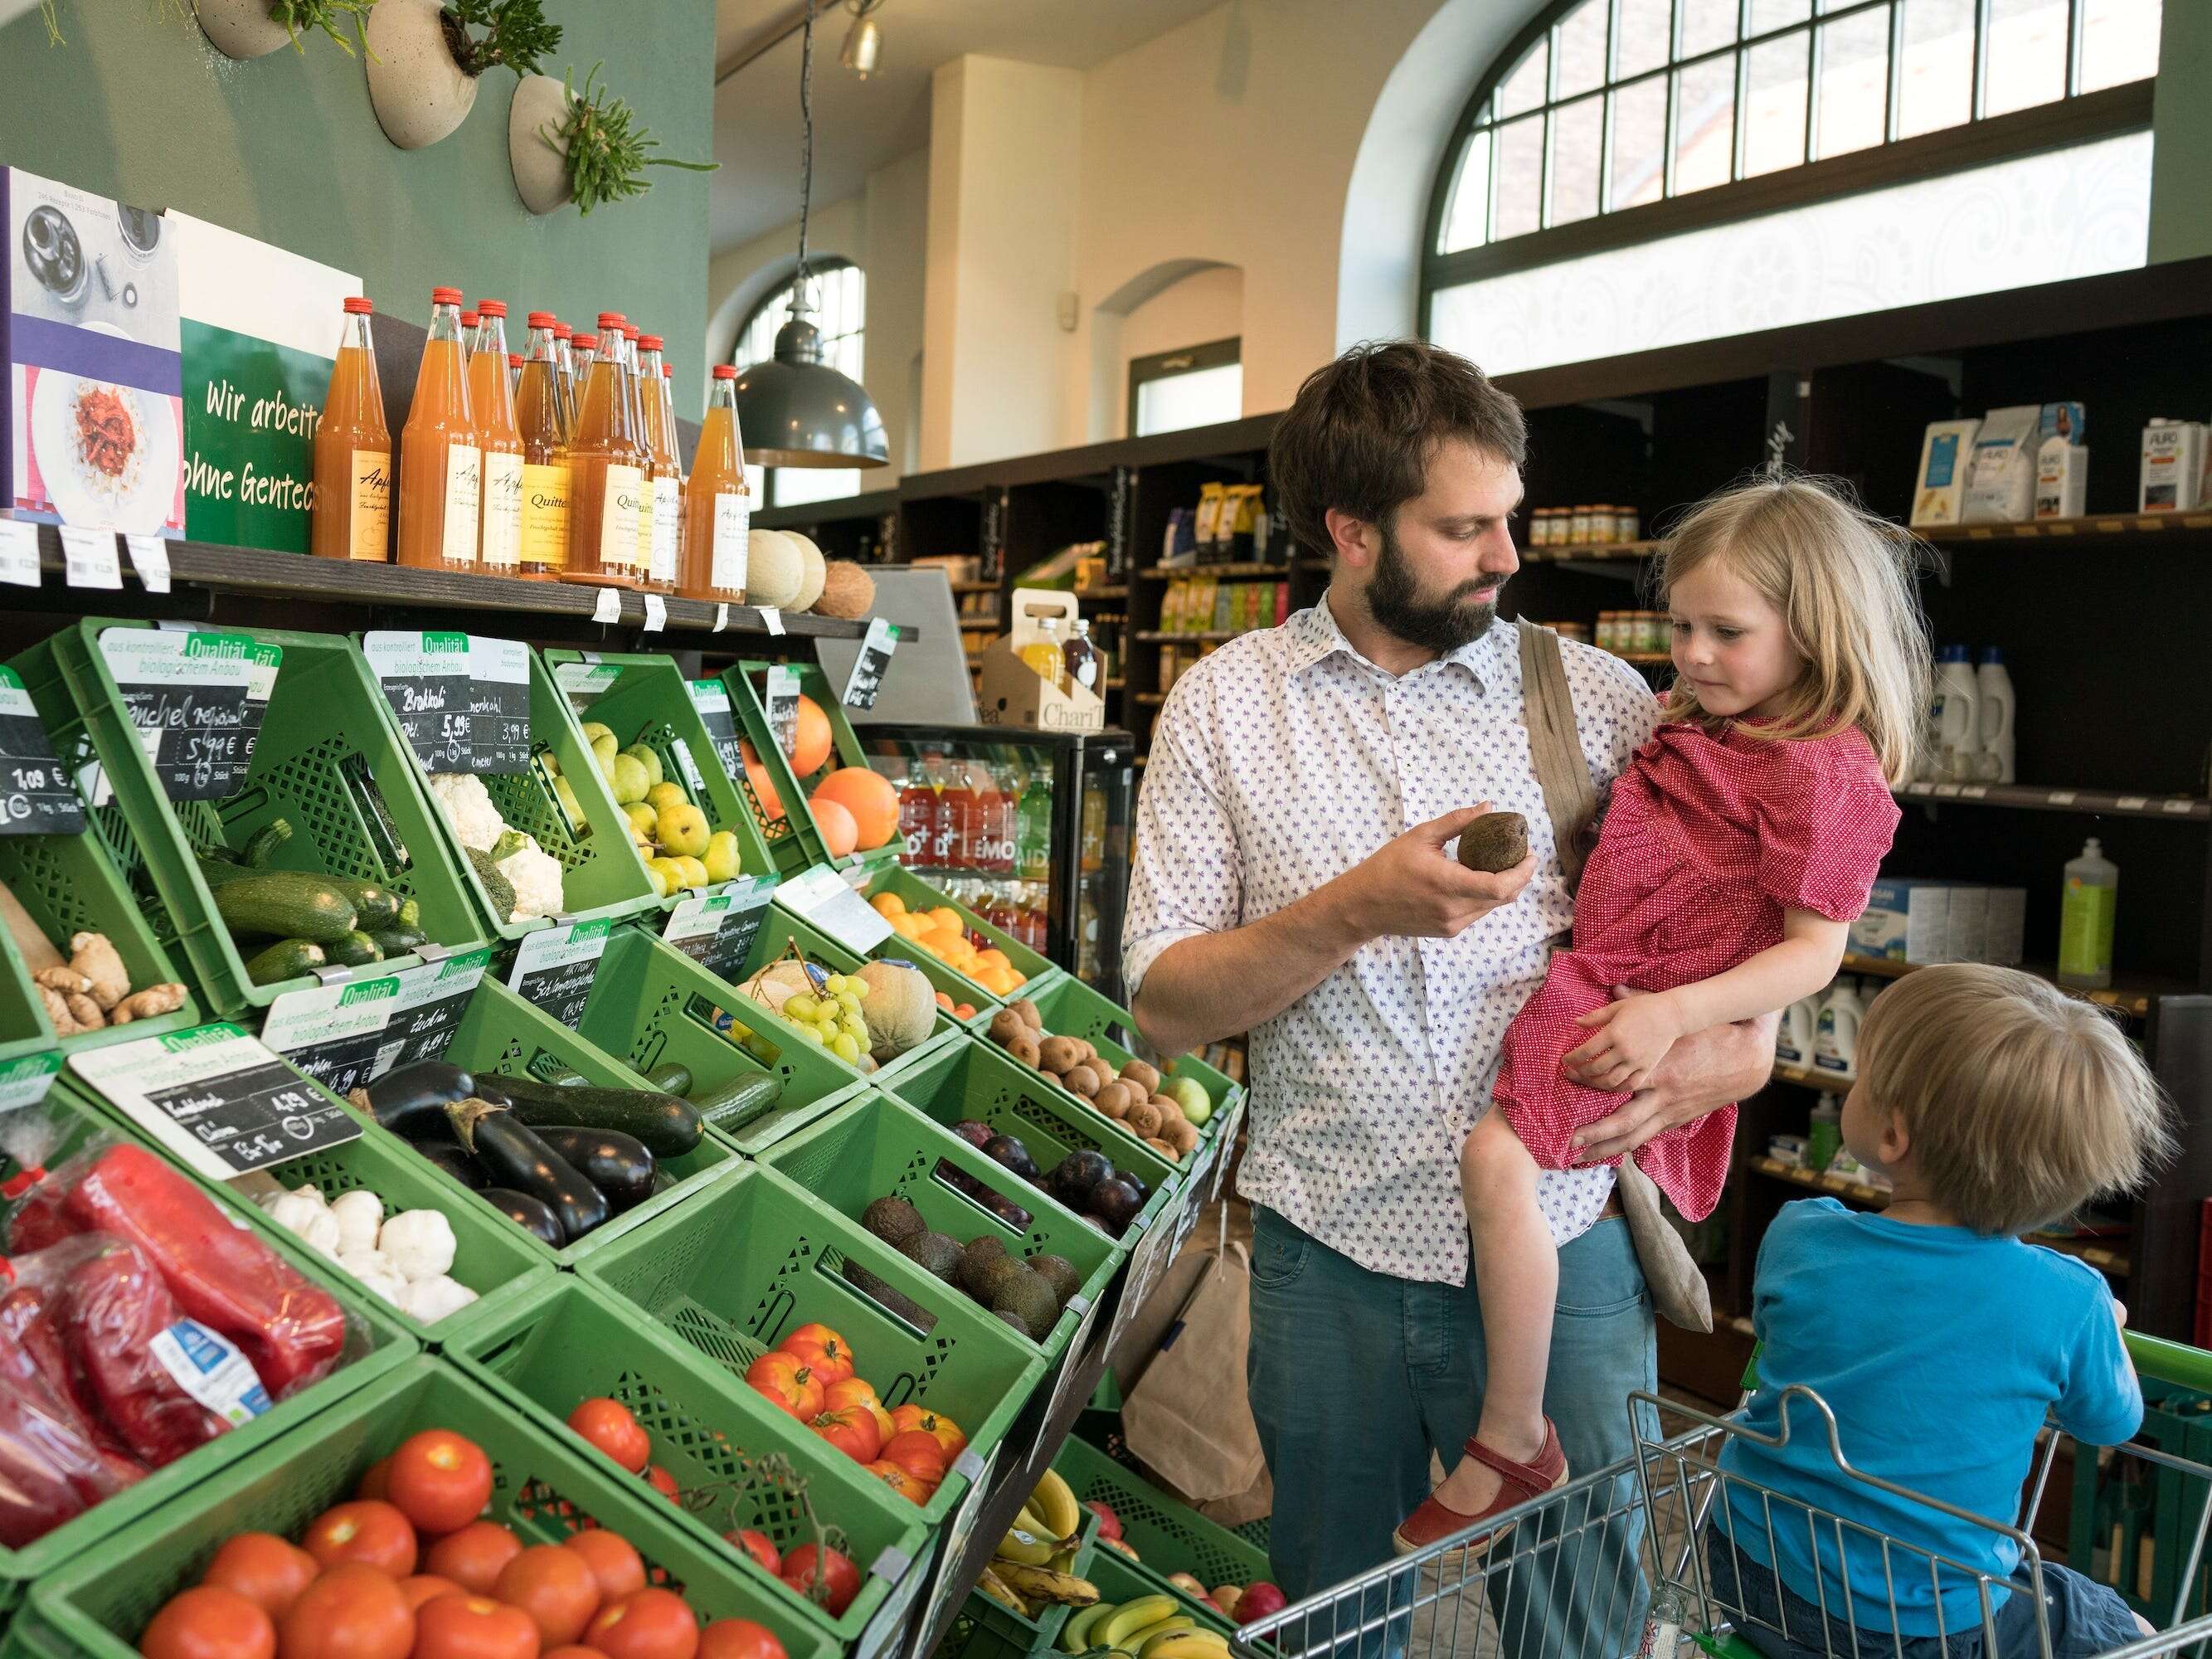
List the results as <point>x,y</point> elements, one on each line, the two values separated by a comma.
<point>918,894</point>
<point>327,760</point>
<point>385,1345</point>
<point>791,832</point>
<point>1071,1008</point>
<point>1120,1580</point>
<point>491,1257</point>
<point>974,1078</point>
<point>821,948</point>
<point>1099,1426</point>
<point>985,1630</point>
<point>545,1488</point>
<point>755,1259</point>
<point>1169,1535</point>
<point>879,1147</point>
<point>571,1342</point>
<point>650,702</point>
<point>25,1030</point>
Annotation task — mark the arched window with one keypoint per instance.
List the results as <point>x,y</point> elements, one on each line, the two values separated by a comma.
<point>841,309</point>
<point>1693,129</point>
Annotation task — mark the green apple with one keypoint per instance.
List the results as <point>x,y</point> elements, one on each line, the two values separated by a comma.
<point>1189,1093</point>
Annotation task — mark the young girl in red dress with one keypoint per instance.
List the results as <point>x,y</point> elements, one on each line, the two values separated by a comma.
<point>1740,844</point>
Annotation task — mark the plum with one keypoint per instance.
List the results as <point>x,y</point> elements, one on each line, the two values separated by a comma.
<point>1115,1201</point>
<point>1009,1151</point>
<point>976,1135</point>
<point>1074,1175</point>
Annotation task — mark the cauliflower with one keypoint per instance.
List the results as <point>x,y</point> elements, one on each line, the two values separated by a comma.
<point>534,873</point>
<point>468,807</point>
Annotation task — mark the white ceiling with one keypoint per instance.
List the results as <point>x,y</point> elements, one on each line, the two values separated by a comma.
<point>860,125</point>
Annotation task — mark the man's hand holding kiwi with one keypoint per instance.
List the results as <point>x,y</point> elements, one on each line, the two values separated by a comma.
<point>1412,887</point>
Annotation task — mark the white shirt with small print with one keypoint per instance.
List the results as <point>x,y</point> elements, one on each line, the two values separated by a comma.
<point>1278,763</point>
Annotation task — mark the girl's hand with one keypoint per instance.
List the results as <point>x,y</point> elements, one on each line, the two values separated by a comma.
<point>1633,1035</point>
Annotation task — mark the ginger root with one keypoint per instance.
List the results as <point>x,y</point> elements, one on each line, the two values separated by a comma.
<point>65,1023</point>
<point>93,990</point>
<point>93,957</point>
<point>144,1005</point>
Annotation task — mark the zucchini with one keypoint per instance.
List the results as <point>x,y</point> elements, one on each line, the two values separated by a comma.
<point>616,1163</point>
<point>412,1100</point>
<point>668,1125</point>
<point>533,1215</point>
<point>356,950</point>
<point>261,846</point>
<point>512,1155</point>
<point>395,941</point>
<point>671,1079</point>
<point>285,904</point>
<point>740,1100</point>
<point>410,914</point>
<point>375,905</point>
<point>498,890</point>
<point>286,959</point>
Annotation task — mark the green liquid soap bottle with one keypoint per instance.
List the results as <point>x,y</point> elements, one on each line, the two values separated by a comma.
<point>2085,920</point>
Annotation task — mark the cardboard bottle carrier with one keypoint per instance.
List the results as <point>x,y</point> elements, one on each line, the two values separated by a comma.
<point>1012,693</point>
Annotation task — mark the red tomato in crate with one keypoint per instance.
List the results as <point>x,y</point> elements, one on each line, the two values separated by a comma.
<point>788,1382</point>
<point>209,1622</point>
<point>840,1579</point>
<point>370,1532</point>
<point>759,1545</point>
<point>267,1571</point>
<point>738,1638</point>
<point>608,1424</point>
<point>439,1480</point>
<point>653,1624</point>
<point>852,1432</point>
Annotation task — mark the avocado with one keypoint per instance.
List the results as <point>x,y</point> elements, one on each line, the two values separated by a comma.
<point>975,1259</point>
<point>935,1253</point>
<point>1028,1297</point>
<point>893,1220</point>
<point>1058,1272</point>
<point>991,1280</point>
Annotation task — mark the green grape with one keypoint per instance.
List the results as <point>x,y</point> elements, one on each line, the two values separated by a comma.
<point>849,1003</point>
<point>847,1048</point>
<point>834,983</point>
<point>813,1034</point>
<point>801,1005</point>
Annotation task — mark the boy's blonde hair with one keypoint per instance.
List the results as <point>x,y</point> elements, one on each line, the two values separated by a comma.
<point>2022,1103</point>
<point>1843,580</point>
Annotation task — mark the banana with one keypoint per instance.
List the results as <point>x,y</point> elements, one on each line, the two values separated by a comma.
<point>1054,1501</point>
<point>1026,1549</point>
<point>1131,1617</point>
<point>1036,1584</point>
<point>1028,1522</point>
<point>1173,1625</point>
<point>1186,1644</point>
<point>993,1586</point>
<point>1075,1634</point>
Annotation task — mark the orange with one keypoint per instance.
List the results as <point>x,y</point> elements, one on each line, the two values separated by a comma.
<point>869,796</point>
<point>756,775</point>
<point>888,905</point>
<point>809,739</point>
<point>993,958</point>
<point>945,916</point>
<point>839,833</point>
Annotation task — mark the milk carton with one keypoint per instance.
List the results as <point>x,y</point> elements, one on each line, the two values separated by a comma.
<point>2173,477</point>
<point>2000,472</point>
<point>1940,486</point>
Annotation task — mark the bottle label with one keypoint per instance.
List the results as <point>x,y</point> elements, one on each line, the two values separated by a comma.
<point>667,528</point>
<point>645,515</point>
<point>619,517</point>
<point>464,500</point>
<point>732,526</point>
<point>369,527</point>
<point>2085,928</point>
<point>545,517</point>
<point>502,511</point>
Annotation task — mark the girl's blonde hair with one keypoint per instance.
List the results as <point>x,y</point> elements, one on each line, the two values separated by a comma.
<point>1844,582</point>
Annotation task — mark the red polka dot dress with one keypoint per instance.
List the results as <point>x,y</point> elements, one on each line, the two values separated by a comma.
<point>1707,841</point>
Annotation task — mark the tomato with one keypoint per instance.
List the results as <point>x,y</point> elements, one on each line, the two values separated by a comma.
<point>439,1480</point>
<point>946,1431</point>
<point>913,1490</point>
<point>267,1571</point>
<point>664,1483</point>
<point>738,1638</point>
<point>473,1557</point>
<point>608,1425</point>
<point>614,1561</point>
<point>366,1530</point>
<point>352,1612</point>
<point>840,1579</point>
<point>376,1482</point>
<point>789,1382</point>
<point>759,1545</point>
<point>852,1432</point>
<point>427,1587</point>
<point>555,1586</point>
<point>209,1622</point>
<point>473,1627</point>
<point>822,1350</point>
<point>917,1452</point>
<point>851,1391</point>
<point>572,1650</point>
<point>653,1624</point>
<point>816,1332</point>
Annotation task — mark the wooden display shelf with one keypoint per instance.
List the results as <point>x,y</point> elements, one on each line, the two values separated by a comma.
<point>1211,636</point>
<point>1113,686</point>
<point>1806,1077</point>
<point>1226,572</point>
<point>1597,552</point>
<point>2103,1257</point>
<point>1151,696</point>
<point>2133,996</point>
<point>2090,527</point>
<point>975,587</point>
<point>2102,802</point>
<point>1118,592</point>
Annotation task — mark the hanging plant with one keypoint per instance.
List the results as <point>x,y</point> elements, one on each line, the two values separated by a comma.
<point>426,59</point>
<point>301,15</point>
<point>515,34</point>
<point>604,150</point>
<point>246,29</point>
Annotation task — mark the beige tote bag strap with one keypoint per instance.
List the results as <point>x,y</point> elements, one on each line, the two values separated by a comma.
<point>1562,770</point>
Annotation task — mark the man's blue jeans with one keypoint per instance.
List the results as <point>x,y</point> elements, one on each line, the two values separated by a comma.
<point>1357,1376</point>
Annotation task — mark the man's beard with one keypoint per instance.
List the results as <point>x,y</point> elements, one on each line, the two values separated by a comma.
<point>1393,599</point>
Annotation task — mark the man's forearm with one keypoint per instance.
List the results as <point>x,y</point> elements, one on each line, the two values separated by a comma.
<point>1214,986</point>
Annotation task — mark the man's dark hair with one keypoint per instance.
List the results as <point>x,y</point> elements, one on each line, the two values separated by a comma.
<point>1360,434</point>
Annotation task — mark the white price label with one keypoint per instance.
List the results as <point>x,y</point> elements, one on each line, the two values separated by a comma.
<point>212,1369</point>
<point>19,552</point>
<point>821,898</point>
<point>89,559</point>
<point>150,557</point>
<point>721,617</point>
<point>553,968</point>
<point>772,620</point>
<point>608,606</point>
<point>656,613</point>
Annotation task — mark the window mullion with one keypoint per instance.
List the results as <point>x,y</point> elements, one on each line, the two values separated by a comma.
<point>2073,32</point>
<point>1673,100</point>
<point>1893,87</point>
<point>1980,103</point>
<point>1814,56</point>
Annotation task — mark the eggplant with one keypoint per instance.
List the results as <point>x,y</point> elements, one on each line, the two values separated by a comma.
<point>415,1097</point>
<point>513,1156</point>
<point>616,1163</point>
<point>533,1215</point>
<point>453,1159</point>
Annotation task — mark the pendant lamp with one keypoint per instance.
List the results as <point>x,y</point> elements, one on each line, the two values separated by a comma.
<point>795,410</point>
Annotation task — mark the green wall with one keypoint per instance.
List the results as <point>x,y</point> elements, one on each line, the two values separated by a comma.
<point>286,149</point>
<point>2181,122</point>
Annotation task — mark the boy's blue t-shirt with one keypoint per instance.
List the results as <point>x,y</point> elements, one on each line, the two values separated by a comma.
<point>1940,1351</point>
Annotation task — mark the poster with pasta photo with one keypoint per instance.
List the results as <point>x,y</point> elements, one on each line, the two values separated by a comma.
<point>91,426</point>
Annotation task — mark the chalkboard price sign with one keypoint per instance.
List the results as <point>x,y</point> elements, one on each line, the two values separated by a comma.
<point>36,796</point>
<point>782,703</point>
<point>499,671</point>
<point>348,1035</point>
<point>425,678</point>
<point>553,968</point>
<point>717,930</point>
<point>197,699</point>
<point>712,698</point>
<point>866,679</point>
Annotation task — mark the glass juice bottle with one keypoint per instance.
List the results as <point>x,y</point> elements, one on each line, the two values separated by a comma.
<point>545,454</point>
<point>472,324</point>
<point>664,534</point>
<point>607,471</point>
<point>564,358</point>
<point>676,467</point>
<point>353,452</point>
<point>1044,656</point>
<point>717,511</point>
<point>491,399</point>
<point>441,467</point>
<point>1079,659</point>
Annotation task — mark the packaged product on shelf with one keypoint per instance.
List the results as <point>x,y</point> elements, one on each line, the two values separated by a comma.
<point>491,399</point>
<point>1836,1034</point>
<point>1627,524</point>
<point>606,469</point>
<point>540,417</point>
<point>1600,525</point>
<point>1179,544</point>
<point>352,517</point>
<point>2061,479</point>
<point>717,510</point>
<point>1013,692</point>
<point>1993,718</point>
<point>1939,488</point>
<point>1907,919</point>
<point>2001,468</point>
<point>2172,479</point>
<point>1244,526</point>
<point>2088,904</point>
<point>1955,719</point>
<point>1206,529</point>
<point>662,533</point>
<point>1578,527</point>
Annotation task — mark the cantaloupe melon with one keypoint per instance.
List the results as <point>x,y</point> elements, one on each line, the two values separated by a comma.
<point>900,1007</point>
<point>775,570</point>
<point>814,571</point>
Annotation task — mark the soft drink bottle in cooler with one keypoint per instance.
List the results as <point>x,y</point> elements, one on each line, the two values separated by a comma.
<point>918,815</point>
<point>995,842</point>
<point>1093,854</point>
<point>1033,828</point>
<point>963,810</point>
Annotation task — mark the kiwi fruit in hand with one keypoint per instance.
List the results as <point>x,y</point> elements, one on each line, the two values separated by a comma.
<point>1494,843</point>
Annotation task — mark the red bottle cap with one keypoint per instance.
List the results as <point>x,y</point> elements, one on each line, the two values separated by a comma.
<point>492,307</point>
<point>610,320</point>
<point>445,296</point>
<point>544,319</point>
<point>648,341</point>
<point>470,319</point>
<point>355,306</point>
<point>667,372</point>
<point>629,333</point>
<point>725,371</point>
<point>585,342</point>
<point>513,362</point>
<point>563,331</point>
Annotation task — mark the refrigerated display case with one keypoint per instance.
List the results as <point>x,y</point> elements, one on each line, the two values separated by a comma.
<point>1032,829</point>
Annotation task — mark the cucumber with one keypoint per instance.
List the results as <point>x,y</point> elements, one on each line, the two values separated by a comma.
<point>261,846</point>
<point>398,941</point>
<point>668,1126</point>
<point>671,1079</point>
<point>375,905</point>
<point>356,950</point>
<point>740,1100</point>
<point>286,959</point>
<point>284,904</point>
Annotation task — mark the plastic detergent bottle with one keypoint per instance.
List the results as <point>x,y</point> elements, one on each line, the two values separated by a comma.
<point>1793,1039</point>
<point>1957,726</point>
<point>2086,909</point>
<point>1824,1135</point>
<point>1993,718</point>
<point>1836,1037</point>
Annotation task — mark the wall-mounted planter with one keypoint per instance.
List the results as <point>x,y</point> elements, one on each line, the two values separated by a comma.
<point>242,30</point>
<point>420,93</point>
<point>541,166</point>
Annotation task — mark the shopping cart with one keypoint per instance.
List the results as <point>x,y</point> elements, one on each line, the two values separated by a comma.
<point>1618,1563</point>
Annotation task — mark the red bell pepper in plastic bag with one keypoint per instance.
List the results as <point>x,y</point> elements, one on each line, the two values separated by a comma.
<point>114,1307</point>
